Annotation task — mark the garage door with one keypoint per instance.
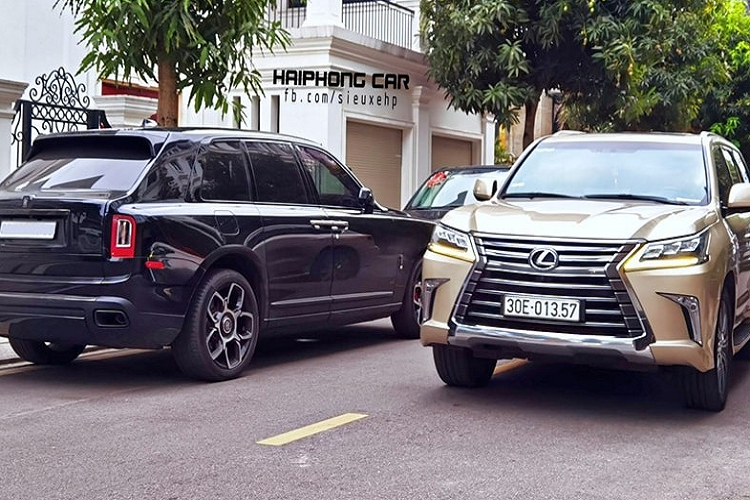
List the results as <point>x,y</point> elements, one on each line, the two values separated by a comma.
<point>374,153</point>
<point>448,152</point>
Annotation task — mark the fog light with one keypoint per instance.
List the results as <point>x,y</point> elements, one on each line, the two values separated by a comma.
<point>429,287</point>
<point>691,311</point>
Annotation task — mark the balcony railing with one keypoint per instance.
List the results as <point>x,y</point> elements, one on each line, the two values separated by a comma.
<point>380,19</point>
<point>290,14</point>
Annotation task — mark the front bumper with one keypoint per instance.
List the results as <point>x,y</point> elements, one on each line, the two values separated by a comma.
<point>669,334</point>
<point>589,349</point>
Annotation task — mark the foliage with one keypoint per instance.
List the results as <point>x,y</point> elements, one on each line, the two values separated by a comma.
<point>498,55</point>
<point>654,61</point>
<point>620,64</point>
<point>203,45</point>
<point>726,109</point>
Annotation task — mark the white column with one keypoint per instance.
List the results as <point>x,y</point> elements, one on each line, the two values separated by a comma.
<point>10,92</point>
<point>420,146</point>
<point>335,140</point>
<point>323,13</point>
<point>488,141</point>
<point>265,113</point>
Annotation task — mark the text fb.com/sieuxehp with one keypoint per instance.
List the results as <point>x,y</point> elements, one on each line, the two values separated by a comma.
<point>334,96</point>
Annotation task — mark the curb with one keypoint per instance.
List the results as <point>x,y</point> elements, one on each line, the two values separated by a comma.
<point>6,352</point>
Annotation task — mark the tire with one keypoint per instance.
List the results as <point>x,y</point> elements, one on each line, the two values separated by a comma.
<point>220,333</point>
<point>406,321</point>
<point>45,353</point>
<point>458,367</point>
<point>708,390</point>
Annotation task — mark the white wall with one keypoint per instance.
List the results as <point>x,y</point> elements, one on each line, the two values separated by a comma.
<point>38,39</point>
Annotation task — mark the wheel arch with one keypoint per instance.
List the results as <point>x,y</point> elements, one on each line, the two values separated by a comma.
<point>244,261</point>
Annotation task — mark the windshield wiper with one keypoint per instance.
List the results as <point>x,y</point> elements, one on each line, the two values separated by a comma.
<point>641,197</point>
<point>538,194</point>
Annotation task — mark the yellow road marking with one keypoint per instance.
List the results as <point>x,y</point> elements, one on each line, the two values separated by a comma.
<point>312,429</point>
<point>509,365</point>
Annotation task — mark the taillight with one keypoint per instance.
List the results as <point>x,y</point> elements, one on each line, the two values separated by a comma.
<point>123,237</point>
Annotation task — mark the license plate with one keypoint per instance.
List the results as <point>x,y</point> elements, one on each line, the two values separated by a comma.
<point>527,306</point>
<point>28,230</point>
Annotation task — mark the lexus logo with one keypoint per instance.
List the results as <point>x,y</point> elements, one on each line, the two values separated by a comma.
<point>544,259</point>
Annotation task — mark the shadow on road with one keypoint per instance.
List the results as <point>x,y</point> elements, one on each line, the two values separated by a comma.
<point>129,367</point>
<point>572,390</point>
<point>291,348</point>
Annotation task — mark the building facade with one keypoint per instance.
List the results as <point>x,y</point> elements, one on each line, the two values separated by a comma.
<point>353,79</point>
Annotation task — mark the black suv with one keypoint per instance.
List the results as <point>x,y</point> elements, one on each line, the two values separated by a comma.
<point>198,240</point>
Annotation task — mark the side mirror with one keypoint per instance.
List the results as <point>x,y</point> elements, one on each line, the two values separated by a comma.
<point>484,189</point>
<point>365,199</point>
<point>739,196</point>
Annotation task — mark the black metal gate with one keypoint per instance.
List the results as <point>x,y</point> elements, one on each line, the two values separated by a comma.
<point>57,104</point>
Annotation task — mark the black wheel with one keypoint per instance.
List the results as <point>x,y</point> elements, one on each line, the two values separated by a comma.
<point>406,320</point>
<point>221,328</point>
<point>708,390</point>
<point>458,367</point>
<point>45,353</point>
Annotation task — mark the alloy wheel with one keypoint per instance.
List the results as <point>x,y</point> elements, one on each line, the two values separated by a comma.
<point>722,350</point>
<point>230,326</point>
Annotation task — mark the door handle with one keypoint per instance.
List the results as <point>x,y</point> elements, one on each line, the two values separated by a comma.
<point>339,226</point>
<point>335,226</point>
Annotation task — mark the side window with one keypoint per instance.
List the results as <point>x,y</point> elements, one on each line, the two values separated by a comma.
<point>278,178</point>
<point>225,176</point>
<point>334,184</point>
<point>168,180</point>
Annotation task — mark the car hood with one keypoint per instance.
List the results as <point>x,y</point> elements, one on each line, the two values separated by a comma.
<point>584,219</point>
<point>428,214</point>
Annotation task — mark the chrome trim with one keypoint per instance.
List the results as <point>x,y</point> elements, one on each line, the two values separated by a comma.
<point>544,258</point>
<point>526,271</point>
<point>554,344</point>
<point>601,287</point>
<point>43,297</point>
<point>537,284</point>
<point>533,241</point>
<point>691,310</point>
<point>429,287</point>
<point>640,313</point>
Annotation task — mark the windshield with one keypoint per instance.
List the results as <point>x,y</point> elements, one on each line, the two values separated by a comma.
<point>649,171</point>
<point>451,189</point>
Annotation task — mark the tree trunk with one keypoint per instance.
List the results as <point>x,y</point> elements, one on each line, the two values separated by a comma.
<point>528,126</point>
<point>166,111</point>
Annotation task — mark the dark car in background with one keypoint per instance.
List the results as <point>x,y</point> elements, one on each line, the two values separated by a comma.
<point>451,187</point>
<point>201,240</point>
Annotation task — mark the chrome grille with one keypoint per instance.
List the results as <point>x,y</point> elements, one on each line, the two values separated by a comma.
<point>586,271</point>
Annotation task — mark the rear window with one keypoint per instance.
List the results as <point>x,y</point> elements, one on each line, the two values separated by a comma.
<point>90,164</point>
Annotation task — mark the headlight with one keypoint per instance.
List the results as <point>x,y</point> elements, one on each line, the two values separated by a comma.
<point>681,252</point>
<point>453,243</point>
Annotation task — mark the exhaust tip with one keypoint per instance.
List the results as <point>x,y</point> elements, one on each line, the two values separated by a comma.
<point>107,318</point>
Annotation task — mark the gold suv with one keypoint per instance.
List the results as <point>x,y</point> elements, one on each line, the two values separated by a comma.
<point>622,250</point>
